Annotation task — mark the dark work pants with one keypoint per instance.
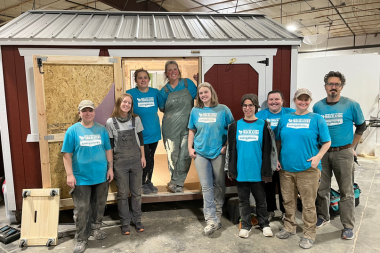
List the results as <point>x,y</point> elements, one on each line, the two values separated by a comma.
<point>89,204</point>
<point>128,175</point>
<point>270,191</point>
<point>258,192</point>
<point>149,150</point>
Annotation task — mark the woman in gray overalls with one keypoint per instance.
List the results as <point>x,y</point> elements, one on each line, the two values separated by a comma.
<point>178,95</point>
<point>125,131</point>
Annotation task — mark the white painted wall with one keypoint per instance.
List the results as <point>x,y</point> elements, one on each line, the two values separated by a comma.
<point>362,73</point>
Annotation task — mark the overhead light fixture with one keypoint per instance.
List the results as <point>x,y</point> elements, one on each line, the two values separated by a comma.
<point>291,28</point>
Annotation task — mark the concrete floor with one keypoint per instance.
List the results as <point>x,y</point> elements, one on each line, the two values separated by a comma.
<point>178,227</point>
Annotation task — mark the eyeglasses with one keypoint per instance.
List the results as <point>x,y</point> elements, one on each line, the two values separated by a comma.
<point>249,106</point>
<point>332,84</point>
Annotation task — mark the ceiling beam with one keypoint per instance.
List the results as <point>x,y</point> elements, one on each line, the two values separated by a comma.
<point>327,8</point>
<point>15,6</point>
<point>272,5</point>
<point>133,5</point>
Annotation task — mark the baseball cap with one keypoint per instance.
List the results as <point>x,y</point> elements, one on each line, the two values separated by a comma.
<point>85,104</point>
<point>302,91</point>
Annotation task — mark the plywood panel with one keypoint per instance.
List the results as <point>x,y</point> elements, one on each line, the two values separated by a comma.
<point>67,85</point>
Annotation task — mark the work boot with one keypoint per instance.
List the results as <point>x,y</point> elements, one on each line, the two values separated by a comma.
<point>98,234</point>
<point>80,247</point>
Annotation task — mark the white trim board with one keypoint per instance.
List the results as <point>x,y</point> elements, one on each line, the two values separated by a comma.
<point>167,53</point>
<point>5,143</point>
<point>293,74</point>
<point>28,59</point>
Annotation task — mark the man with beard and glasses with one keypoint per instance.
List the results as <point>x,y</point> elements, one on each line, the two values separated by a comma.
<point>340,114</point>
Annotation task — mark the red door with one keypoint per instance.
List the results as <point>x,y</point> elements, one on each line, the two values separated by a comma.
<point>231,82</point>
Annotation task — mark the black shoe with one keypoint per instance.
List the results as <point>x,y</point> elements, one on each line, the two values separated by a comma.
<point>139,227</point>
<point>152,188</point>
<point>145,189</point>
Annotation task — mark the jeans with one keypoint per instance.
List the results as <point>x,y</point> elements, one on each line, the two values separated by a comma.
<point>258,192</point>
<point>212,178</point>
<point>306,183</point>
<point>128,179</point>
<point>270,191</point>
<point>342,164</point>
<point>89,204</point>
<point>149,150</point>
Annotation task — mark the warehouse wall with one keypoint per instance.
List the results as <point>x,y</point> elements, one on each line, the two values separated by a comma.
<point>362,73</point>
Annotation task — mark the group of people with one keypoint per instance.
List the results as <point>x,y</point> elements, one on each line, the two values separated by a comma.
<point>273,148</point>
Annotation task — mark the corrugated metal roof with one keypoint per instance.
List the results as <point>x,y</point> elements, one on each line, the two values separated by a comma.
<point>130,27</point>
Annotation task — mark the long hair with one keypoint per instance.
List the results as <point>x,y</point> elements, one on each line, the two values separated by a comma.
<point>214,97</point>
<point>117,111</point>
<point>166,69</point>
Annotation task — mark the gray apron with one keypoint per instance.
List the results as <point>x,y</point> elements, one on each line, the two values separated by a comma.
<point>128,173</point>
<point>175,133</point>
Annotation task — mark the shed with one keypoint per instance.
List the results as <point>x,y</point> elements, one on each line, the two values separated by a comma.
<point>236,53</point>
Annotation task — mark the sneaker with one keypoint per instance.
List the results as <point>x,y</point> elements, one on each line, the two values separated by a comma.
<point>179,188</point>
<point>348,234</point>
<point>244,233</point>
<point>98,234</point>
<point>321,222</point>
<point>306,243</point>
<point>175,188</point>
<point>80,247</point>
<point>267,232</point>
<point>152,188</point>
<point>270,215</point>
<point>283,234</point>
<point>139,227</point>
<point>145,189</point>
<point>211,228</point>
<point>125,230</point>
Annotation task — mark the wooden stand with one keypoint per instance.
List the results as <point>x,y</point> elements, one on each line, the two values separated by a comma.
<point>39,222</point>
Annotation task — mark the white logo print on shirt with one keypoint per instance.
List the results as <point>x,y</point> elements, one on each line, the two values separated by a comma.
<point>273,122</point>
<point>333,119</point>
<point>145,102</point>
<point>207,117</point>
<point>298,123</point>
<point>248,135</point>
<point>90,140</point>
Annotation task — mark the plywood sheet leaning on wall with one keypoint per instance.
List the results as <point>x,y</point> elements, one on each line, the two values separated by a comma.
<point>64,84</point>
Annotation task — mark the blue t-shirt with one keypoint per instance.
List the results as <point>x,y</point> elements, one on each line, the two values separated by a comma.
<point>146,105</point>
<point>211,124</point>
<point>273,118</point>
<point>300,137</point>
<point>88,146</point>
<point>181,85</point>
<point>340,119</point>
<point>249,144</point>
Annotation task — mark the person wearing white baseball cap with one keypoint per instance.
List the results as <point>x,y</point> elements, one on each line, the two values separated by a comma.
<point>298,136</point>
<point>88,161</point>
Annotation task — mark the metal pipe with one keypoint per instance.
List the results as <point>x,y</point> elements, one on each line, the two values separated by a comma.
<point>344,21</point>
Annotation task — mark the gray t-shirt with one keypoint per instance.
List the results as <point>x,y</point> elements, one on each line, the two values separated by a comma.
<point>112,132</point>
